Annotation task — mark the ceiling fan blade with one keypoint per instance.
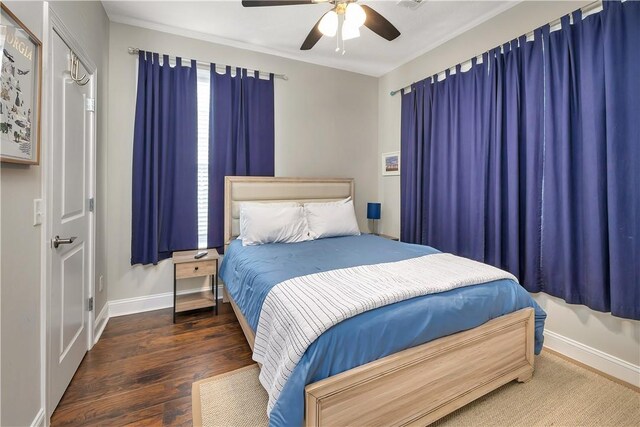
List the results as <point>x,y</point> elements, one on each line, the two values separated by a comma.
<point>379,24</point>
<point>313,36</point>
<point>260,3</point>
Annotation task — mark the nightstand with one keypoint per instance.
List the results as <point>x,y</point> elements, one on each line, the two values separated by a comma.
<point>185,266</point>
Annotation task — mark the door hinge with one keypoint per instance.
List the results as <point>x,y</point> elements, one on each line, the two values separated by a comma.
<point>90,104</point>
<point>92,204</point>
<point>90,304</point>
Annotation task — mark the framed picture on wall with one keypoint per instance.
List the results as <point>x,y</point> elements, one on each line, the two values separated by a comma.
<point>20,91</point>
<point>391,163</point>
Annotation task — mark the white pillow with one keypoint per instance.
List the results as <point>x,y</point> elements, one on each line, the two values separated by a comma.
<point>269,204</point>
<point>332,219</point>
<point>271,223</point>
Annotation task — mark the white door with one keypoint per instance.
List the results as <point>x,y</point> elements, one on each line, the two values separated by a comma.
<point>70,146</point>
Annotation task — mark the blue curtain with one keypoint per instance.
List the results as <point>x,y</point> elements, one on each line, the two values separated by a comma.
<point>513,173</point>
<point>469,173</point>
<point>456,145</point>
<point>241,136</point>
<point>529,161</point>
<point>591,222</point>
<point>622,94</point>
<point>439,198</point>
<point>164,216</point>
<point>414,161</point>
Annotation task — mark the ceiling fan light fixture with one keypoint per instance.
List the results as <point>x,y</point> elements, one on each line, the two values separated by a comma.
<point>329,24</point>
<point>349,30</point>
<point>355,14</point>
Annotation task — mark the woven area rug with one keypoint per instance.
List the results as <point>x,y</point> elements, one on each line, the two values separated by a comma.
<point>560,394</point>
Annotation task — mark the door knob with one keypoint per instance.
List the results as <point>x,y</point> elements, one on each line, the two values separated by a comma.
<point>58,241</point>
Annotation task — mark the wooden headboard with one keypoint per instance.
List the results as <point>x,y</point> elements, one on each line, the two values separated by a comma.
<point>238,189</point>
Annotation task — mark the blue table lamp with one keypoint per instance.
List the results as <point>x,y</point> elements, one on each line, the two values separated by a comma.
<point>373,213</point>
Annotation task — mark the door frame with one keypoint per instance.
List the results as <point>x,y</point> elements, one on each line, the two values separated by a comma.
<point>55,26</point>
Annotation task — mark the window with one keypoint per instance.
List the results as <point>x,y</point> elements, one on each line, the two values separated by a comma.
<point>203,155</point>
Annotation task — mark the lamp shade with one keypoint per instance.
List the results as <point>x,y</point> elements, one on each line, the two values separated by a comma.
<point>329,24</point>
<point>355,14</point>
<point>349,30</point>
<point>373,210</point>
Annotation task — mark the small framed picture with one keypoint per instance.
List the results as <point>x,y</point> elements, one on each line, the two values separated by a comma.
<point>20,86</point>
<point>391,163</point>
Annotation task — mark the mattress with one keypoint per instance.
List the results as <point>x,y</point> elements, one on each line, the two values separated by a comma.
<point>249,273</point>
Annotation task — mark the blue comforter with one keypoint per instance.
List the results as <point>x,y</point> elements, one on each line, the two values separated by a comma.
<point>250,272</point>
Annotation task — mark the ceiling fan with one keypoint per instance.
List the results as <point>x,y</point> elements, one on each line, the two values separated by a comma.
<point>344,19</point>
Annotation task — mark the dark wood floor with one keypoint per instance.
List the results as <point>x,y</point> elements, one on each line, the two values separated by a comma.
<point>140,372</point>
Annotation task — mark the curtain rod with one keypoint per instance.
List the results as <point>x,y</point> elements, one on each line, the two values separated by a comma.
<point>135,51</point>
<point>585,10</point>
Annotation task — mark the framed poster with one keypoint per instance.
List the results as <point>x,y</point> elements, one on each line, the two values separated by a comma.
<point>20,87</point>
<point>391,163</point>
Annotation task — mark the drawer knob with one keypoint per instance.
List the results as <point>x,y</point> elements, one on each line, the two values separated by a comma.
<point>196,268</point>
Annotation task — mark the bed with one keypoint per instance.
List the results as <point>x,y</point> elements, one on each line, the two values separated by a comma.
<point>410,362</point>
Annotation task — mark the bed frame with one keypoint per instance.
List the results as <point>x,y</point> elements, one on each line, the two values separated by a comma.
<point>416,386</point>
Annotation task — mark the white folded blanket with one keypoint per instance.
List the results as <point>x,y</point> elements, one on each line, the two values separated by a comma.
<point>297,311</point>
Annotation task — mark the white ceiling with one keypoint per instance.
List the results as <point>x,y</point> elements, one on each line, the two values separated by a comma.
<point>281,30</point>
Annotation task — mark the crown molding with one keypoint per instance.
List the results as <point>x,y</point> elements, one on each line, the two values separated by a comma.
<point>378,72</point>
<point>119,19</point>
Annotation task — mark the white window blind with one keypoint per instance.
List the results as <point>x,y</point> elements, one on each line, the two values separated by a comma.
<point>203,155</point>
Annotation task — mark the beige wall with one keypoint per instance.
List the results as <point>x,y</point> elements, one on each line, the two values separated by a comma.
<point>612,335</point>
<point>324,126</point>
<point>21,243</point>
<point>20,274</point>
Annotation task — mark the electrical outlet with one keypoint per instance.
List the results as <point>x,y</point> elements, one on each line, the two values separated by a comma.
<point>100,283</point>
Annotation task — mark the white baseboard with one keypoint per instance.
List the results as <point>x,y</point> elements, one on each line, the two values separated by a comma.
<point>100,322</point>
<point>127,306</point>
<point>123,307</point>
<point>38,421</point>
<point>594,358</point>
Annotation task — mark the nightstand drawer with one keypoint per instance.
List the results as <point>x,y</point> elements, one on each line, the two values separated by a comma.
<point>195,269</point>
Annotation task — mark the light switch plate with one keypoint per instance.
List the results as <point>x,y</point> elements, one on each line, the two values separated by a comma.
<point>37,212</point>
